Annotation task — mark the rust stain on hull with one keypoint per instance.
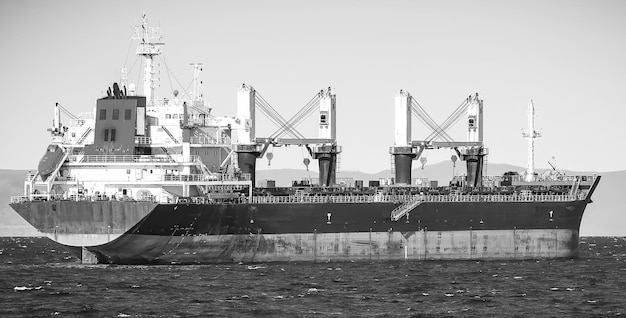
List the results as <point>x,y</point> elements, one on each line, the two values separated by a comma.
<point>421,245</point>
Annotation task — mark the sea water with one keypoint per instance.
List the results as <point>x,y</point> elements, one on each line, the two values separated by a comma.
<point>39,278</point>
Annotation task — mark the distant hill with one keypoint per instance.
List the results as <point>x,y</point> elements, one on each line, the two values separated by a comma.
<point>441,172</point>
<point>606,216</point>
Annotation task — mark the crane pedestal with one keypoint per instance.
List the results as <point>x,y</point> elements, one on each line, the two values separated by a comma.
<point>403,160</point>
<point>473,158</point>
<point>327,161</point>
<point>246,158</point>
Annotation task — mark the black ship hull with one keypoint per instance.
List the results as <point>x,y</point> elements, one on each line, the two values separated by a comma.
<point>151,233</point>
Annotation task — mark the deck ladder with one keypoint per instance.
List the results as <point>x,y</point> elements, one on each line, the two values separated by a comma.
<point>575,186</point>
<point>405,208</point>
<point>167,131</point>
<point>205,170</point>
<point>338,168</point>
<point>84,136</point>
<point>485,161</point>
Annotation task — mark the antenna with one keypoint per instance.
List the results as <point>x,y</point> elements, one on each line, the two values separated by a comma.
<point>531,136</point>
<point>124,77</point>
<point>197,98</point>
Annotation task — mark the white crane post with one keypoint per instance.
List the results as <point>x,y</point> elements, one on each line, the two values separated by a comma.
<point>327,128</point>
<point>473,155</point>
<point>403,119</point>
<point>326,153</point>
<point>245,113</point>
<point>56,121</point>
<point>474,122</point>
<point>402,151</point>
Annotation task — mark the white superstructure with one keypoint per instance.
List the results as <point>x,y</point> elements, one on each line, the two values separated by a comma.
<point>179,148</point>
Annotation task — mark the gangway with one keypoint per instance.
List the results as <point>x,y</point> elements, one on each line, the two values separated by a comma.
<point>405,208</point>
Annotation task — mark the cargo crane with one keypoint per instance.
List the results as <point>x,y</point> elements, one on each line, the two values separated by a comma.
<point>324,148</point>
<point>405,150</point>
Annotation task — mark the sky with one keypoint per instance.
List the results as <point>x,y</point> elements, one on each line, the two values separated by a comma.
<point>567,56</point>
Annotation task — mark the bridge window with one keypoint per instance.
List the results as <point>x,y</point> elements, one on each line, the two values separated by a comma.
<point>127,114</point>
<point>103,114</point>
<point>116,114</point>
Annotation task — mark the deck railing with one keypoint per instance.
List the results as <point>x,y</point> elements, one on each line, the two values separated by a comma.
<point>354,198</point>
<point>77,197</point>
<point>205,177</point>
<point>423,198</point>
<point>129,159</point>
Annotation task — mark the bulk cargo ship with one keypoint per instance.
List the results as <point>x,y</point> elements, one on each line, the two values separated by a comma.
<point>143,180</point>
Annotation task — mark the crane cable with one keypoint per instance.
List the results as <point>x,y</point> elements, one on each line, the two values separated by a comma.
<point>271,113</point>
<point>423,116</point>
<point>302,114</point>
<point>283,124</point>
<point>453,118</point>
<point>447,123</point>
<point>67,112</point>
<point>169,76</point>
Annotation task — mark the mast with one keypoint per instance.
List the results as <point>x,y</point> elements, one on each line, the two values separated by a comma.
<point>148,48</point>
<point>531,136</point>
<point>197,97</point>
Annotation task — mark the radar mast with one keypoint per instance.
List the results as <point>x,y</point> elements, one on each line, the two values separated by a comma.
<point>148,48</point>
<point>531,136</point>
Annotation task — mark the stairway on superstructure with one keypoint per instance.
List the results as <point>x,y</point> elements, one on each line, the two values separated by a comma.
<point>84,136</point>
<point>167,131</point>
<point>575,186</point>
